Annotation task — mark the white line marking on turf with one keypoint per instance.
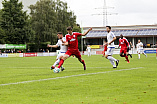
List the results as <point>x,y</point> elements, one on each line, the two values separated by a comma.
<point>23,82</point>
<point>49,67</point>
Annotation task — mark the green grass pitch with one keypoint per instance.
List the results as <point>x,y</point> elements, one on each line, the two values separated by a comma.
<point>30,81</point>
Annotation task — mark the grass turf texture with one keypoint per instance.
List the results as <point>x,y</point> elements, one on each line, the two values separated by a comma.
<point>137,86</point>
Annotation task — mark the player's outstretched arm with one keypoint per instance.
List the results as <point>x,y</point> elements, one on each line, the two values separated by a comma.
<point>53,46</point>
<point>112,40</point>
<point>66,43</point>
<point>84,34</point>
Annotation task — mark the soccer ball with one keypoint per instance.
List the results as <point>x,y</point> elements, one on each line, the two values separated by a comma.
<point>56,70</point>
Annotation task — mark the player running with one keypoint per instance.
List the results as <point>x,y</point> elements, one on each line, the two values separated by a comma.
<point>62,51</point>
<point>110,48</point>
<point>89,50</point>
<point>105,48</point>
<point>72,42</point>
<point>123,43</point>
<point>140,49</point>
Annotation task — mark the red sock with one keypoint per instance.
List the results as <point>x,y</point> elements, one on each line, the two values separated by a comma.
<point>83,62</point>
<point>127,58</point>
<point>60,63</point>
<point>104,54</point>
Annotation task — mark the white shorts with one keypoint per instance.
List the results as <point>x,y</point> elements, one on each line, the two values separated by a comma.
<point>60,54</point>
<point>110,50</point>
<point>140,51</point>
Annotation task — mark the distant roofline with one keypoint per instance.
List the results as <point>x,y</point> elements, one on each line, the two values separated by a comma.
<point>125,26</point>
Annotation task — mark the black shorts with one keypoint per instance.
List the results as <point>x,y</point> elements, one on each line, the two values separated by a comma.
<point>128,49</point>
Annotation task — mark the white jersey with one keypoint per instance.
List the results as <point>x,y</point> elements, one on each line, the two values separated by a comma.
<point>139,45</point>
<point>110,37</point>
<point>63,48</point>
<point>89,49</point>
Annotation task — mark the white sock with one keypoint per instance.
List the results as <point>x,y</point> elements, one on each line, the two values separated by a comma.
<point>111,58</point>
<point>139,56</point>
<point>145,54</point>
<point>112,62</point>
<point>56,63</point>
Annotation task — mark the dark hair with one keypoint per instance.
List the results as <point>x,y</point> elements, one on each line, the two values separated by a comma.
<point>69,28</point>
<point>60,33</point>
<point>109,27</point>
<point>121,35</point>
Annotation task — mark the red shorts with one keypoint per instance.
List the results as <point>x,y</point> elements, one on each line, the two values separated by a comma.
<point>74,52</point>
<point>105,49</point>
<point>123,50</point>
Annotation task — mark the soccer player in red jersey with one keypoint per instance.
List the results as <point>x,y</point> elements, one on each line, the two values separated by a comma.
<point>124,44</point>
<point>105,48</point>
<point>72,42</point>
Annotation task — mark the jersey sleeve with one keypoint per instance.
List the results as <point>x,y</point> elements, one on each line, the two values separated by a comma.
<point>57,43</point>
<point>77,34</point>
<point>66,37</point>
<point>126,42</point>
<point>112,34</point>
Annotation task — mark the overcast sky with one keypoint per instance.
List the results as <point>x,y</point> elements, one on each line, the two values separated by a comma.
<point>130,12</point>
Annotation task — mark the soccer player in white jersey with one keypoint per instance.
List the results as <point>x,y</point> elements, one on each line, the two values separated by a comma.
<point>89,50</point>
<point>140,49</point>
<point>63,49</point>
<point>110,48</point>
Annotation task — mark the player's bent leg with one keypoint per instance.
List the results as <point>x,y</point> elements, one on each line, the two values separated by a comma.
<point>62,68</point>
<point>144,54</point>
<point>138,55</point>
<point>83,62</point>
<point>112,61</point>
<point>126,57</point>
<point>62,60</point>
<point>54,65</point>
<point>121,54</point>
<point>106,56</point>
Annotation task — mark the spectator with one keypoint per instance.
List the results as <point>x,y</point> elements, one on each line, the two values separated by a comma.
<point>47,50</point>
<point>11,51</point>
<point>43,50</point>
<point>28,51</point>
<point>14,51</point>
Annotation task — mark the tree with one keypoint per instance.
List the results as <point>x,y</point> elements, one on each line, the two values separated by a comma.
<point>48,18</point>
<point>2,35</point>
<point>64,17</point>
<point>15,22</point>
<point>43,21</point>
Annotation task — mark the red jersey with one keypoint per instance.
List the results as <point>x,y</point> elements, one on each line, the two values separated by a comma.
<point>72,40</point>
<point>128,42</point>
<point>123,43</point>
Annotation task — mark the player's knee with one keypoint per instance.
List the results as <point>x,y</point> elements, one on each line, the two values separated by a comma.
<point>65,57</point>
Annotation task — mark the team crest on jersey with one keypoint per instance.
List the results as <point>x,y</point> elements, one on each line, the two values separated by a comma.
<point>74,36</point>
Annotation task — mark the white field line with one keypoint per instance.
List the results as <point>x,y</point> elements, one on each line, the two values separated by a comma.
<point>23,82</point>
